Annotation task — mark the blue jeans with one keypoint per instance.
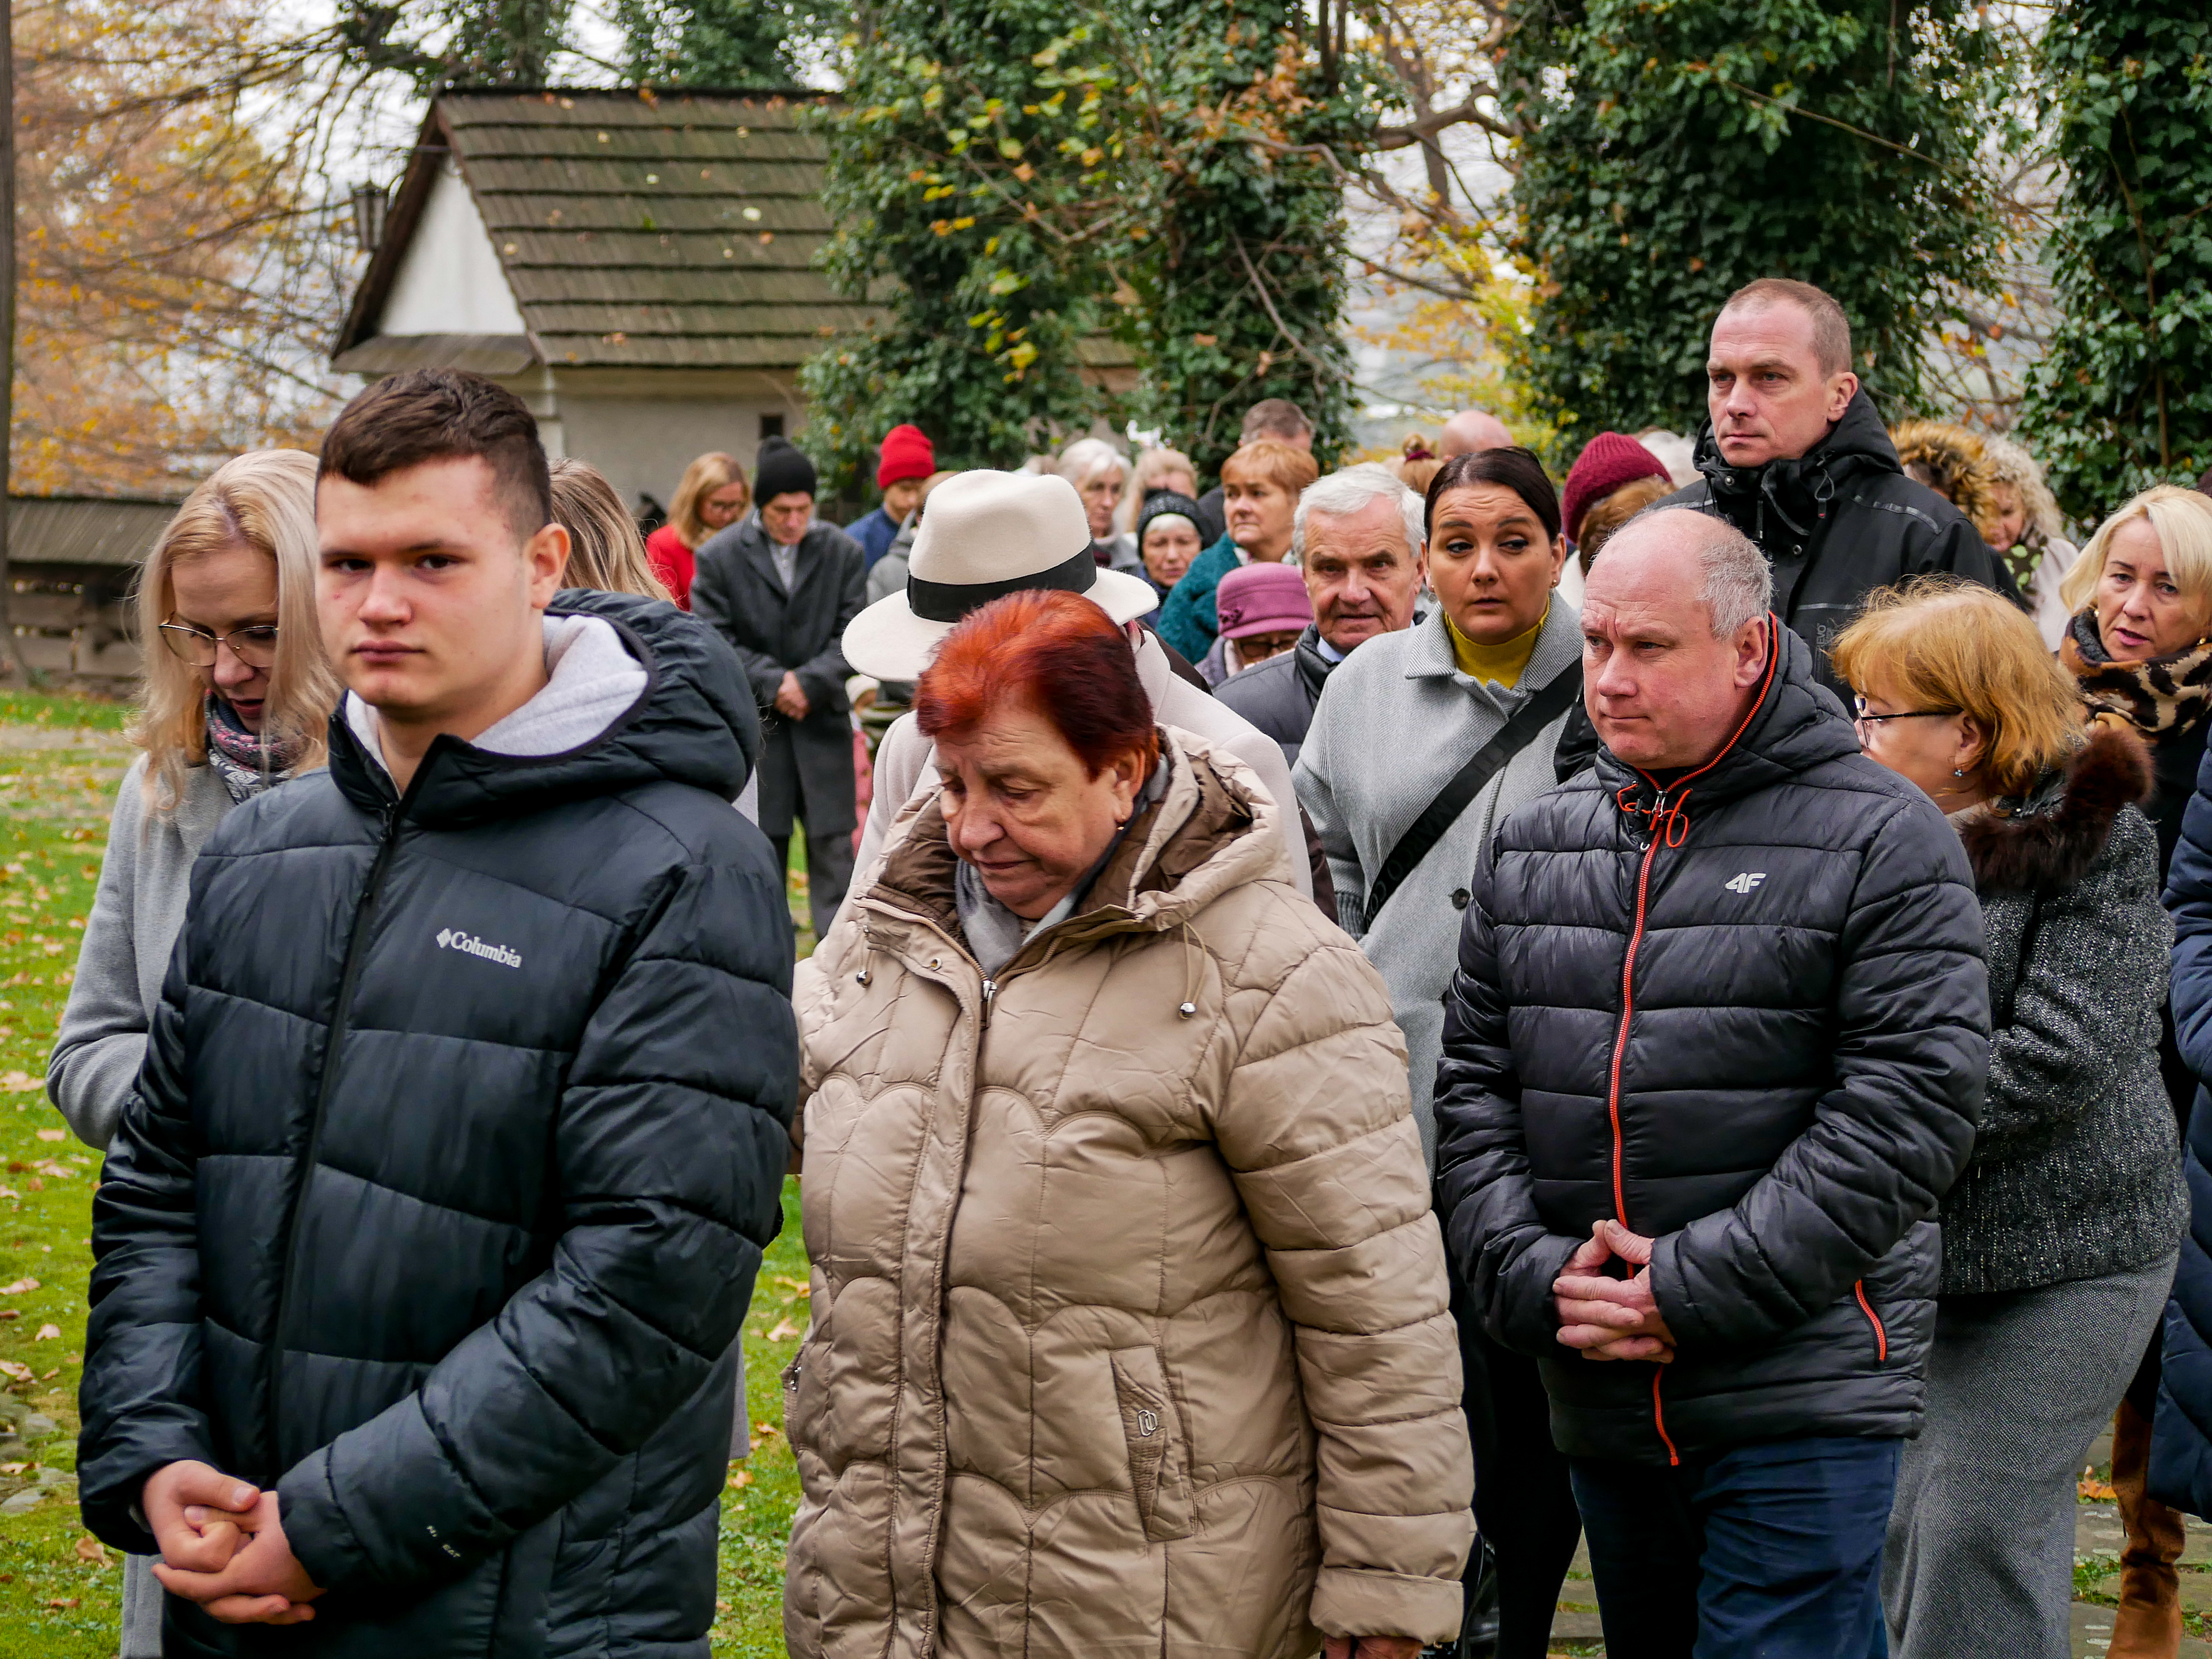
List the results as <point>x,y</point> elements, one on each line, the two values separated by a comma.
<point>1770,1552</point>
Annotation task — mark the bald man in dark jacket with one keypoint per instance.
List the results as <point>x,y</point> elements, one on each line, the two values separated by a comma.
<point>1713,1053</point>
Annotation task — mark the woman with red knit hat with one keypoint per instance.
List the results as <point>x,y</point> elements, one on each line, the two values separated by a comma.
<point>1609,463</point>
<point>903,465</point>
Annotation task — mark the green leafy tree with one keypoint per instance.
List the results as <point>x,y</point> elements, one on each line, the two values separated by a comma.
<point>505,42</point>
<point>1671,153</point>
<point>2123,398</point>
<point>724,43</point>
<point>495,43</point>
<point>1240,294</point>
<point>1015,191</point>
<point>963,152</point>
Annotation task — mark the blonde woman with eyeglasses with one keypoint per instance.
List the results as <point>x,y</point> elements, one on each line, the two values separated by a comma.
<point>237,698</point>
<point>2060,1236</point>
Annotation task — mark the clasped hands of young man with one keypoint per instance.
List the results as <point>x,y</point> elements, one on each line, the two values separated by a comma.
<point>223,1547</point>
<point>1610,1318</point>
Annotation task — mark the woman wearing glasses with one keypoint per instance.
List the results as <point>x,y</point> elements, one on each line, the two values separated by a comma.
<point>2059,1240</point>
<point>237,697</point>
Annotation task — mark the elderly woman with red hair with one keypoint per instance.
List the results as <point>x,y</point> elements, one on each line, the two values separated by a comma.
<point>1130,1319</point>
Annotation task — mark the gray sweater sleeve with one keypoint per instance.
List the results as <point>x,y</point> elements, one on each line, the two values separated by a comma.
<point>102,1039</point>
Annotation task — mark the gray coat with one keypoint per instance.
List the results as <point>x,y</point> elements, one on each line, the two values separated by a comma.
<point>2075,1170</point>
<point>1396,719</point>
<point>805,766</point>
<point>135,914</point>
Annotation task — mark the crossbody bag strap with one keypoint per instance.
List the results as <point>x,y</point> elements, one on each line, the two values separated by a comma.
<point>1426,830</point>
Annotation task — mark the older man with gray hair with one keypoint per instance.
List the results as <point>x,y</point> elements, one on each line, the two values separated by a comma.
<point>1714,1052</point>
<point>1357,539</point>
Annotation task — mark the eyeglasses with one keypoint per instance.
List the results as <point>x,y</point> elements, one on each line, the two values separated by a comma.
<point>1861,719</point>
<point>255,647</point>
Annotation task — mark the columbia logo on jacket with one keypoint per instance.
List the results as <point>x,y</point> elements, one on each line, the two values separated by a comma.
<point>450,939</point>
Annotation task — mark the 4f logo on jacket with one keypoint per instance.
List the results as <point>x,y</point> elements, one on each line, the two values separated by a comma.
<point>450,940</point>
<point>1745,881</point>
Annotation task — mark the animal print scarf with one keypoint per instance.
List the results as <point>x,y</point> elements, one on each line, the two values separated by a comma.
<point>2163,695</point>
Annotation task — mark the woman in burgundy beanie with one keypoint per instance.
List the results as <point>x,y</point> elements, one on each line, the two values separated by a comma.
<point>1608,461</point>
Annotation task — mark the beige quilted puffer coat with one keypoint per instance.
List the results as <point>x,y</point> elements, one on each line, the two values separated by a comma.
<point>1130,1329</point>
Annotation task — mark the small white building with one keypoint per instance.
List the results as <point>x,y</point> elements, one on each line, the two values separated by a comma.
<point>636,265</point>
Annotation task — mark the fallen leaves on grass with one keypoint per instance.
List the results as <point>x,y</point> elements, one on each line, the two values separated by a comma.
<point>44,1134</point>
<point>21,1083</point>
<point>2095,1491</point>
<point>15,1369</point>
<point>46,1332</point>
<point>61,1603</point>
<point>784,1332</point>
<point>742,1478</point>
<point>20,1287</point>
<point>89,1548</point>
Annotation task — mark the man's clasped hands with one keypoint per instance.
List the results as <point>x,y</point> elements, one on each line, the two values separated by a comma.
<point>224,1546</point>
<point>1610,1318</point>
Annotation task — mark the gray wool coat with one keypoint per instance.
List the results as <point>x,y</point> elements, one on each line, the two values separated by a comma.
<point>1395,721</point>
<point>2076,1171</point>
<point>805,766</point>
<point>135,914</point>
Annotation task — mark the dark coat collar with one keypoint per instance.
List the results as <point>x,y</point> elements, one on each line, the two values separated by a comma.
<point>1796,725</point>
<point>1800,488</point>
<point>2050,838</point>
<point>1312,668</point>
<point>695,723</point>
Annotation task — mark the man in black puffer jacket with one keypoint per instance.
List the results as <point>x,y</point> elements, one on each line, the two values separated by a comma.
<point>1793,455</point>
<point>424,1246</point>
<point>1713,1051</point>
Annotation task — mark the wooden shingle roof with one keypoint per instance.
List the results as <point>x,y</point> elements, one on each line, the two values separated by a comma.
<point>672,230</point>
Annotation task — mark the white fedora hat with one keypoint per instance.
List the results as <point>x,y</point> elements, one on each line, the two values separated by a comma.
<point>984,535</point>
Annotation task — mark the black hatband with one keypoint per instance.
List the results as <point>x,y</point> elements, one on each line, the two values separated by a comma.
<point>948,602</point>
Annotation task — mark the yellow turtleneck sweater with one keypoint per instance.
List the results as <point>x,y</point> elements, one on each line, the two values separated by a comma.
<point>1505,663</point>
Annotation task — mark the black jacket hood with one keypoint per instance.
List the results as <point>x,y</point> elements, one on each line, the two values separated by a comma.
<point>695,723</point>
<point>1857,446</point>
<point>1797,725</point>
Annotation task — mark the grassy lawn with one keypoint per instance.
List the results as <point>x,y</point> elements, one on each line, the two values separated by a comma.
<point>60,1593</point>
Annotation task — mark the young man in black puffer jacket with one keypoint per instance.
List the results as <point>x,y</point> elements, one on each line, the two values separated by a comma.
<point>424,1246</point>
<point>1713,1054</point>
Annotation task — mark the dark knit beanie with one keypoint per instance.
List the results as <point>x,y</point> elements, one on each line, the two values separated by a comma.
<point>1162,502</point>
<point>1608,461</point>
<point>780,468</point>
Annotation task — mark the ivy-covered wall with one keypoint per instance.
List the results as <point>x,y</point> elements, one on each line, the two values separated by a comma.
<point>950,177</point>
<point>1674,152</point>
<point>1241,294</point>
<point>2123,399</point>
<point>1018,191</point>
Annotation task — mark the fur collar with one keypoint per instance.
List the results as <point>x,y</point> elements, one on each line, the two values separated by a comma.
<point>2050,841</point>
